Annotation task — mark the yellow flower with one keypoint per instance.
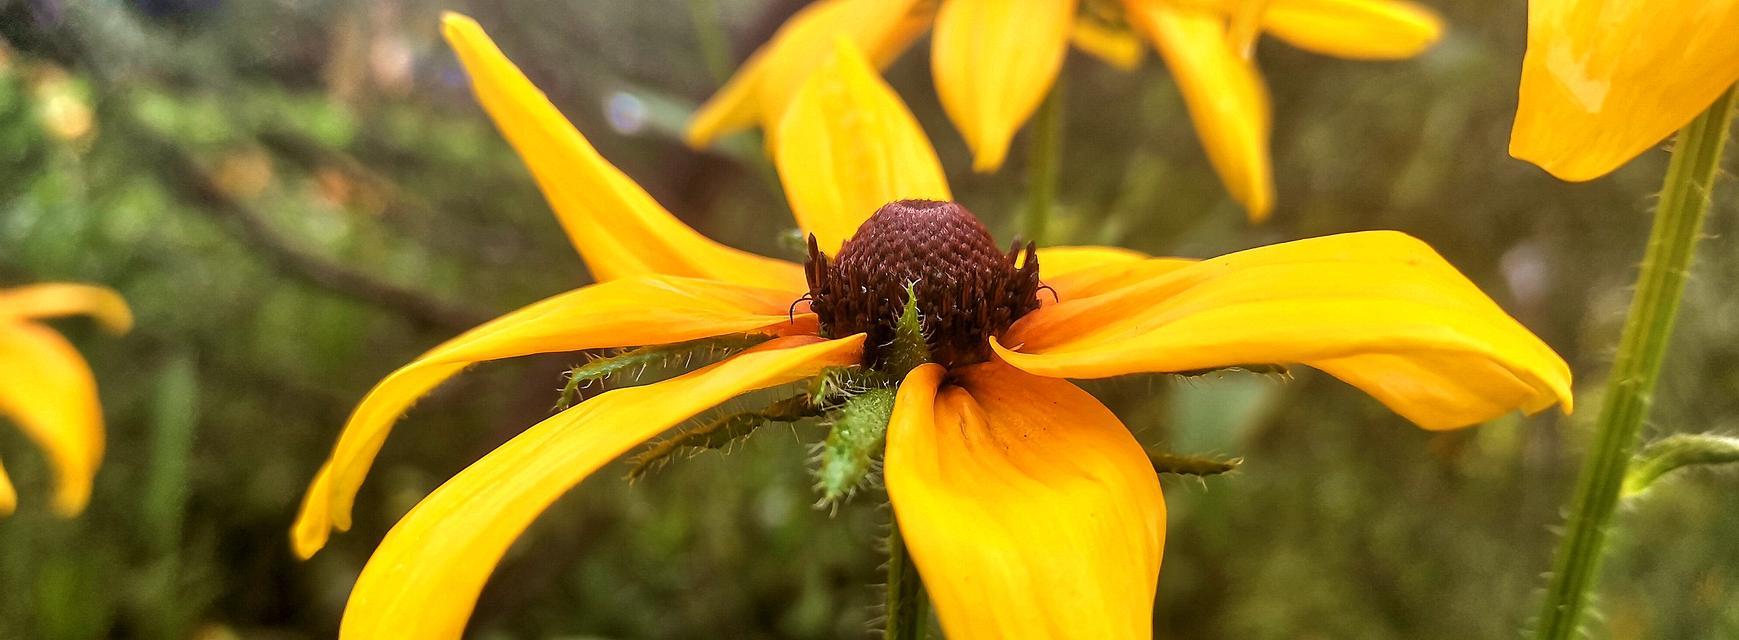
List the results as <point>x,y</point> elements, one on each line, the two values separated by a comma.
<point>994,61</point>
<point>1604,80</point>
<point>48,390</point>
<point>1027,506</point>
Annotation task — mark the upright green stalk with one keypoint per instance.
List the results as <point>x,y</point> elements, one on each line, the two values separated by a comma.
<point>1671,244</point>
<point>905,592</point>
<point>715,48</point>
<point>1045,148</point>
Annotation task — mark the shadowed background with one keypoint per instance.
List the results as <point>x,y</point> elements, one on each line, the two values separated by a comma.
<point>297,197</point>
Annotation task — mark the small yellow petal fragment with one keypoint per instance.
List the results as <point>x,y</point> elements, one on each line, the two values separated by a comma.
<point>1605,80</point>
<point>763,88</point>
<point>57,299</point>
<point>1117,47</point>
<point>424,579</point>
<point>1379,310</point>
<point>1029,509</point>
<point>619,313</point>
<point>8,496</point>
<point>993,62</point>
<point>48,390</point>
<point>847,146</point>
<point>1226,98</point>
<point>619,230</point>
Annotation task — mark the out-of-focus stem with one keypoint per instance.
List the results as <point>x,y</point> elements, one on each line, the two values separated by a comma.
<point>906,597</point>
<point>715,48</point>
<point>1045,148</point>
<point>1672,243</point>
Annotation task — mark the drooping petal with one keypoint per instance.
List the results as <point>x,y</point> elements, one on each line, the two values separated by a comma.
<point>1225,95</point>
<point>1029,509</point>
<point>1116,47</point>
<point>993,62</point>
<point>1604,80</point>
<point>1355,29</point>
<point>620,313</point>
<point>8,496</point>
<point>617,227</point>
<point>847,146</point>
<point>762,89</point>
<point>1379,310</point>
<point>57,299</point>
<point>48,390</point>
<point>424,579</point>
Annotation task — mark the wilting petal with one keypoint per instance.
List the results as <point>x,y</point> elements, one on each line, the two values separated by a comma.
<point>1029,509</point>
<point>8,497</point>
<point>620,313</point>
<point>847,146</point>
<point>1380,310</point>
<point>424,579</point>
<point>57,299</point>
<point>1356,29</point>
<point>1226,98</point>
<point>1604,80</point>
<point>1116,47</point>
<point>993,62</point>
<point>617,227</point>
<point>764,86</point>
<point>48,390</point>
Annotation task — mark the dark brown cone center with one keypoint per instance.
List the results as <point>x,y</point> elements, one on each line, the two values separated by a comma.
<point>967,289</point>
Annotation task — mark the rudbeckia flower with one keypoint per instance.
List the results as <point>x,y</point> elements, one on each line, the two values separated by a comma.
<point>1604,80</point>
<point>1028,508</point>
<point>48,390</point>
<point>995,60</point>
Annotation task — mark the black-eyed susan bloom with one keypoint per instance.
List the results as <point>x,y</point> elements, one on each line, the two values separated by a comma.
<point>995,60</point>
<point>1028,508</point>
<point>1604,80</point>
<point>47,389</point>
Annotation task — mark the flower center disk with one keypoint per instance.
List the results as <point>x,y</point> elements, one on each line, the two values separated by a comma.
<point>967,289</point>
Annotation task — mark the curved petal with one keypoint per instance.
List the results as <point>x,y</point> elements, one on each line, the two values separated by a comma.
<point>8,496</point>
<point>1380,310</point>
<point>617,227</point>
<point>46,387</point>
<point>1355,29</point>
<point>847,146</point>
<point>1604,80</point>
<point>424,579</point>
<point>764,86</point>
<point>620,313</point>
<point>1078,272</point>
<point>1226,97</point>
<point>1030,511</point>
<point>993,62</point>
<point>56,299</point>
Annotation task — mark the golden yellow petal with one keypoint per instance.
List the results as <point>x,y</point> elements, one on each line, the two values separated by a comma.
<point>619,313</point>
<point>1058,261</point>
<point>48,390</point>
<point>764,86</point>
<point>1224,93</point>
<point>1029,509</point>
<point>1116,47</point>
<point>993,62</point>
<point>8,496</point>
<point>57,299</point>
<point>1380,310</point>
<point>617,227</point>
<point>1604,80</point>
<point>847,146</point>
<point>424,579</point>
<point>1355,29</point>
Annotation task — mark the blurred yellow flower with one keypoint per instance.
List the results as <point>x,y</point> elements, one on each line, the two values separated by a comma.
<point>994,463</point>
<point>48,390</point>
<point>1604,80</point>
<point>995,60</point>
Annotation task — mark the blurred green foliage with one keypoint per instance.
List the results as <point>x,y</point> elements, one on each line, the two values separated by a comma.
<point>298,197</point>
